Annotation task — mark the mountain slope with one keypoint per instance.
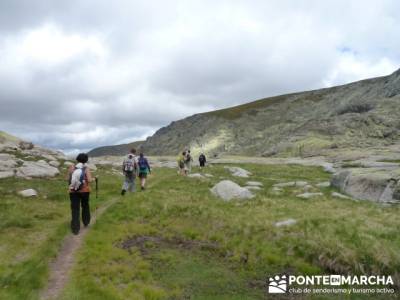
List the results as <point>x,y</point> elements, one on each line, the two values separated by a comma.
<point>114,150</point>
<point>360,114</point>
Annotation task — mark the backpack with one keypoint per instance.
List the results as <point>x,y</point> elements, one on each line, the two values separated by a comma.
<point>142,163</point>
<point>78,185</point>
<point>130,164</point>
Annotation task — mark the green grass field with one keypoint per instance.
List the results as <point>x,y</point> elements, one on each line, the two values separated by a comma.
<point>177,241</point>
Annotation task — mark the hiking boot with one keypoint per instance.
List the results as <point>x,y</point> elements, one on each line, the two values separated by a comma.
<point>123,192</point>
<point>143,188</point>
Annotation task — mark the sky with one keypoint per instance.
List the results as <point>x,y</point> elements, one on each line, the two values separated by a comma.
<point>75,75</point>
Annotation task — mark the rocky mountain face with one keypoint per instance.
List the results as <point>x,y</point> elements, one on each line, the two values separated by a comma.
<point>23,159</point>
<point>356,115</point>
<point>116,150</point>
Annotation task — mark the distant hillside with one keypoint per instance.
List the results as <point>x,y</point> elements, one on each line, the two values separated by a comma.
<point>360,114</point>
<point>115,149</point>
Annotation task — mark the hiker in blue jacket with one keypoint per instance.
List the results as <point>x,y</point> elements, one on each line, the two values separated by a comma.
<point>144,169</point>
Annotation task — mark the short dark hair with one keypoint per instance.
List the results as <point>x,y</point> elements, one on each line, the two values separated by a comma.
<point>133,150</point>
<point>82,158</point>
<point>183,153</point>
<point>141,154</point>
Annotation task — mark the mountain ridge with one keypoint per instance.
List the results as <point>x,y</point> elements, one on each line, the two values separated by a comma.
<point>364,113</point>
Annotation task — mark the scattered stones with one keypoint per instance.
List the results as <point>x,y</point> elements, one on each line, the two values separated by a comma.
<point>228,190</point>
<point>287,222</point>
<point>307,187</point>
<point>36,169</point>
<point>323,184</point>
<point>339,195</point>
<point>196,175</point>
<point>28,193</point>
<point>238,172</point>
<point>254,183</point>
<point>309,195</point>
<point>301,183</point>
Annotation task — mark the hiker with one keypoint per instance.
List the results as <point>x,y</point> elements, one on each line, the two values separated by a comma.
<point>202,160</point>
<point>129,168</point>
<point>188,162</point>
<point>181,163</point>
<point>79,191</point>
<point>144,169</point>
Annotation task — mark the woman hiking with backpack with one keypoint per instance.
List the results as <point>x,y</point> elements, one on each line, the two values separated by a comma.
<point>144,169</point>
<point>79,192</point>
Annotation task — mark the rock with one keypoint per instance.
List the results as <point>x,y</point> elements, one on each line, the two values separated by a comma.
<point>366,184</point>
<point>92,166</point>
<point>252,187</point>
<point>301,183</point>
<point>196,175</point>
<point>323,184</point>
<point>54,163</point>
<point>307,187</point>
<point>287,222</point>
<point>37,169</point>
<point>254,183</point>
<point>5,174</point>
<point>229,190</point>
<point>208,175</point>
<point>339,195</point>
<point>28,193</point>
<point>68,163</point>
<point>291,184</point>
<point>309,195</point>
<point>23,145</point>
<point>238,172</point>
<point>285,184</point>
<point>328,167</point>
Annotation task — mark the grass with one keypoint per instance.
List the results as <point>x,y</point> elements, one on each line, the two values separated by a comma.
<point>199,247</point>
<point>31,231</point>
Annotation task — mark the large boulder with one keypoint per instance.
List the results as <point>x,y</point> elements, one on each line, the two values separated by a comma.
<point>367,184</point>
<point>228,190</point>
<point>7,162</point>
<point>37,169</point>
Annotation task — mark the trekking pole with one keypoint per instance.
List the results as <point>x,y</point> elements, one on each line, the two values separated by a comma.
<point>97,186</point>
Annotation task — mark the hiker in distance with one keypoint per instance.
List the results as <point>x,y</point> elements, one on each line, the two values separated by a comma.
<point>181,163</point>
<point>202,160</point>
<point>188,162</point>
<point>129,168</point>
<point>79,191</point>
<point>144,169</point>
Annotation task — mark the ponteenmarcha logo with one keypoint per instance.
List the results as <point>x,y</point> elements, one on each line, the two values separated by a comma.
<point>277,284</point>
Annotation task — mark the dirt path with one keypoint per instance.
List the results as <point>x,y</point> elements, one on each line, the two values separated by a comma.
<point>61,267</point>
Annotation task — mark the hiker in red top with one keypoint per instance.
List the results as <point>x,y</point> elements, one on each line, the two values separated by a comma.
<point>79,191</point>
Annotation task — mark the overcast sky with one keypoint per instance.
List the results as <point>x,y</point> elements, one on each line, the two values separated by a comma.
<point>80,74</point>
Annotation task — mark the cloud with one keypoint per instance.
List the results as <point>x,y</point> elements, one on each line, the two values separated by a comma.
<point>79,74</point>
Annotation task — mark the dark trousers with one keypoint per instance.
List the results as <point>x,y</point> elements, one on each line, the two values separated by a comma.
<point>202,163</point>
<point>78,200</point>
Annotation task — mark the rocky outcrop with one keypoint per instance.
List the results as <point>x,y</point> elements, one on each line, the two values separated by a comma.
<point>373,184</point>
<point>36,169</point>
<point>228,190</point>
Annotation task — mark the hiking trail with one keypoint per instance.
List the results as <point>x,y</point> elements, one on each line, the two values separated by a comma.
<point>61,267</point>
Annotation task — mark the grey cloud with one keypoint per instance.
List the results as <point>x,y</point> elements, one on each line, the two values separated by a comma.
<point>164,60</point>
